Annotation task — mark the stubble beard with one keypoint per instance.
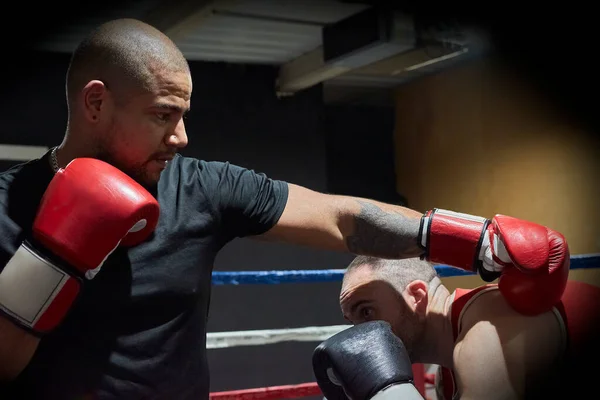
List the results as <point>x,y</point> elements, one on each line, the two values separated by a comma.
<point>137,172</point>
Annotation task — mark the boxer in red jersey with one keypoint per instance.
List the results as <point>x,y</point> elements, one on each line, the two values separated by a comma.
<point>485,348</point>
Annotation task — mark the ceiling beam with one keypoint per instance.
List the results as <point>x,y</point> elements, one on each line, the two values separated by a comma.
<point>354,42</point>
<point>310,69</point>
<point>400,63</point>
<point>177,19</point>
<point>306,71</point>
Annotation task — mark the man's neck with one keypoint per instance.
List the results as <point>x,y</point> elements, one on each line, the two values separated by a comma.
<point>437,344</point>
<point>69,149</point>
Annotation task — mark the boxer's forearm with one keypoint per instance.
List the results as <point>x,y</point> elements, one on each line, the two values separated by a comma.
<point>379,229</point>
<point>16,349</point>
<point>345,223</point>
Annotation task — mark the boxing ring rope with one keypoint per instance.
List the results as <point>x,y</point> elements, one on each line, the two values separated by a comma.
<point>219,340</point>
<point>586,261</point>
<point>271,392</point>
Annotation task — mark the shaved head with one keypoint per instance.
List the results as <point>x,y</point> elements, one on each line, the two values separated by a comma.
<point>395,291</point>
<point>399,273</point>
<point>128,89</point>
<point>125,54</point>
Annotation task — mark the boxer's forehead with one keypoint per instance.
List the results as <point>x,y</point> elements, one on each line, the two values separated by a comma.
<point>173,86</point>
<point>357,277</point>
<point>358,288</point>
<point>353,298</point>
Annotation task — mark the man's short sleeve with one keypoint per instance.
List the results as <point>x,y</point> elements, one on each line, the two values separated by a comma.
<point>248,202</point>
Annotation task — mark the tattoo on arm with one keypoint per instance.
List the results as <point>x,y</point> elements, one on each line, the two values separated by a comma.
<point>386,234</point>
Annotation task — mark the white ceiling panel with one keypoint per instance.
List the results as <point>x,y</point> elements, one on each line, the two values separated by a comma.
<point>316,11</point>
<point>242,31</point>
<point>238,39</point>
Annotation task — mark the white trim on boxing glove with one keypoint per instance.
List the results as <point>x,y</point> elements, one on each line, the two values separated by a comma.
<point>493,254</point>
<point>29,287</point>
<point>404,390</point>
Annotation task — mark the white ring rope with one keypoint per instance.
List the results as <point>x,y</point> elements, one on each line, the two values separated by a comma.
<point>219,340</point>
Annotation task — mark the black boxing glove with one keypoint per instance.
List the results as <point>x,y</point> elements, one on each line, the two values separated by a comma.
<point>366,361</point>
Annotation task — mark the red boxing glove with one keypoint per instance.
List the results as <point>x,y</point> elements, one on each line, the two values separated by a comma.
<point>88,209</point>
<point>531,261</point>
<point>541,260</point>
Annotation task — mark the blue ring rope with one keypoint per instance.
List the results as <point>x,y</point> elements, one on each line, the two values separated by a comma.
<point>586,261</point>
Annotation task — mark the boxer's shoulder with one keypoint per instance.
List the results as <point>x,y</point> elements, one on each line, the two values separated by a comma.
<point>489,305</point>
<point>191,170</point>
<point>35,172</point>
<point>181,161</point>
<point>467,305</point>
<point>8,176</point>
<point>23,184</point>
<point>494,338</point>
<point>21,188</point>
<point>484,303</point>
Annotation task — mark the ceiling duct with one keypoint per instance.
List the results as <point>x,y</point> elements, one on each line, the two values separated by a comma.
<point>380,47</point>
<point>362,39</point>
<point>367,37</point>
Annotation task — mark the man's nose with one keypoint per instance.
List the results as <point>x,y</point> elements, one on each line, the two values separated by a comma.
<point>178,138</point>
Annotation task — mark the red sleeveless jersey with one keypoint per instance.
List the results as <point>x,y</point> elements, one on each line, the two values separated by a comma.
<point>579,310</point>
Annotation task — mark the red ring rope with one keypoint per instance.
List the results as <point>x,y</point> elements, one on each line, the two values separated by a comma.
<point>270,392</point>
<point>305,389</point>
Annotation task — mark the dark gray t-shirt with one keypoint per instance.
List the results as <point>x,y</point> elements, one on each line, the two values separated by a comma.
<point>139,328</point>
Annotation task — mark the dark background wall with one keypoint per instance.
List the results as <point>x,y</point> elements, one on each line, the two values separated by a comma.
<point>236,117</point>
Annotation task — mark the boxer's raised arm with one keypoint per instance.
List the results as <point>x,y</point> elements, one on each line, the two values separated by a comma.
<point>501,354</point>
<point>67,247</point>
<point>345,223</point>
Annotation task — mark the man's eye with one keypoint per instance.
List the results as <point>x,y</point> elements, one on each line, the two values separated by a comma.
<point>162,116</point>
<point>366,313</point>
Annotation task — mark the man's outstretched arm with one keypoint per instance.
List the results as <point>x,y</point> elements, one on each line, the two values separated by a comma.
<point>344,223</point>
<point>533,259</point>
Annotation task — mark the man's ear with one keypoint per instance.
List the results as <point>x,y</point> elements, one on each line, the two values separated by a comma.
<point>94,97</point>
<point>416,296</point>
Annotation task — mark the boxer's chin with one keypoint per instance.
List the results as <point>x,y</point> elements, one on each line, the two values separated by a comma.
<point>147,176</point>
<point>147,173</point>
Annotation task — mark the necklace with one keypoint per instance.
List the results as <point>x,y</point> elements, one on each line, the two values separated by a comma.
<point>53,160</point>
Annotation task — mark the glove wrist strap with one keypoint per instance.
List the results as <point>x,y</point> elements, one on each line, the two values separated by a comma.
<point>452,238</point>
<point>35,293</point>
